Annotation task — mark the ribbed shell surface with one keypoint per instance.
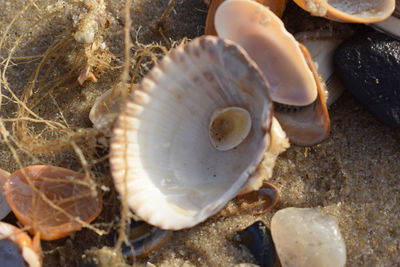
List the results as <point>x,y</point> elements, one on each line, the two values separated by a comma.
<point>162,160</point>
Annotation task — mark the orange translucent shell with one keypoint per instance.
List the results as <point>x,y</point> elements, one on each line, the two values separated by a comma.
<point>276,6</point>
<point>265,198</point>
<point>46,199</point>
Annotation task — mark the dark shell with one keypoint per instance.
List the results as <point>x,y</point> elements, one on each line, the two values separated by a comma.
<point>368,64</point>
<point>10,255</point>
<point>144,239</point>
<point>258,240</point>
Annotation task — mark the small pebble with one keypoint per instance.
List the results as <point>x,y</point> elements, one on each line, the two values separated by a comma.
<point>307,238</point>
<point>368,64</point>
<point>258,240</point>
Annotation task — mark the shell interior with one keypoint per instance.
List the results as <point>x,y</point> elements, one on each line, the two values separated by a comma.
<point>229,127</point>
<point>163,162</point>
<point>262,34</point>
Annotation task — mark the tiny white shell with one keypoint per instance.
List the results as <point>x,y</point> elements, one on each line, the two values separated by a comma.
<point>229,127</point>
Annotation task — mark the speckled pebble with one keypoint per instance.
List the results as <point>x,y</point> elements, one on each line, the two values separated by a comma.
<point>307,238</point>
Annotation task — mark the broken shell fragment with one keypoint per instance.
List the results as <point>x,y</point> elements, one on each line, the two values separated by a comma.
<point>390,25</point>
<point>162,159</point>
<point>294,84</point>
<point>4,208</point>
<point>356,11</point>
<point>16,248</point>
<point>276,6</point>
<point>262,200</point>
<point>51,200</point>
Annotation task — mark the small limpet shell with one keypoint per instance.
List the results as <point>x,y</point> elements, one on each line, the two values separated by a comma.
<point>162,160</point>
<point>63,187</point>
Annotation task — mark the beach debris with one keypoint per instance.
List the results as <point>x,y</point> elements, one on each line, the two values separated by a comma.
<point>260,201</point>
<point>162,159</point>
<point>17,248</point>
<point>299,98</point>
<point>390,25</point>
<point>91,27</point>
<point>4,208</point>
<point>258,240</point>
<point>51,201</point>
<point>276,6</point>
<point>144,239</point>
<point>304,237</point>
<point>359,11</point>
<point>368,64</point>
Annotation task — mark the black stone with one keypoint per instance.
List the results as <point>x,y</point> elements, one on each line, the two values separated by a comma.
<point>368,64</point>
<point>258,240</point>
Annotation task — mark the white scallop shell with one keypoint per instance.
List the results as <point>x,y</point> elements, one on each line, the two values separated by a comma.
<point>4,208</point>
<point>163,162</point>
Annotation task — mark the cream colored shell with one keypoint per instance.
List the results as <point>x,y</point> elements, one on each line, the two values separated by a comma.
<point>277,53</point>
<point>356,11</point>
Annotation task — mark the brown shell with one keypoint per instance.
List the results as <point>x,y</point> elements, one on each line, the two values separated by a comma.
<point>311,124</point>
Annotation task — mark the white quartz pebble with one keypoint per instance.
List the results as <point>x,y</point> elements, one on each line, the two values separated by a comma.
<point>307,238</point>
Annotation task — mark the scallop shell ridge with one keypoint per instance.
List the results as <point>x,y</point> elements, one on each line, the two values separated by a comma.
<point>162,160</point>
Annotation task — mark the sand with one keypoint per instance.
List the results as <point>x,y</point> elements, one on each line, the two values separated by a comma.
<point>353,175</point>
